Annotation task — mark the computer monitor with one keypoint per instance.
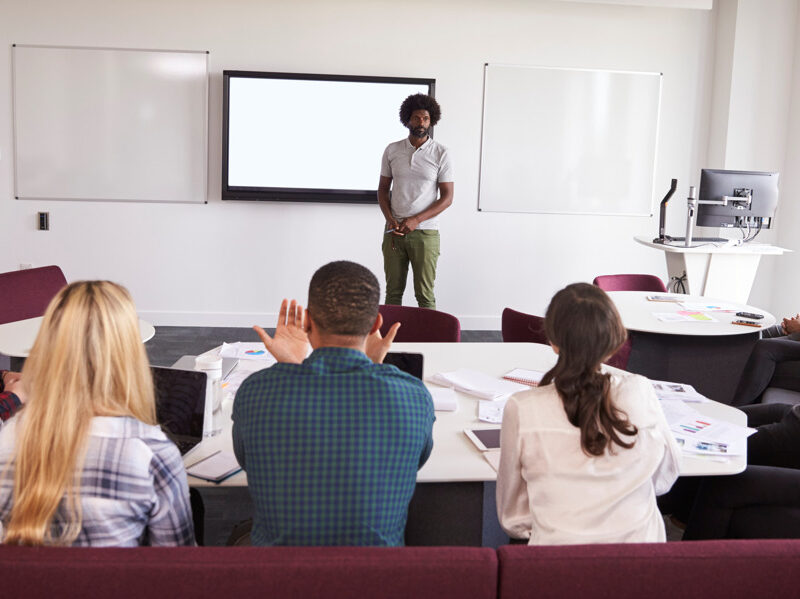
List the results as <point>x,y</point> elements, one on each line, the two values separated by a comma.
<point>741,199</point>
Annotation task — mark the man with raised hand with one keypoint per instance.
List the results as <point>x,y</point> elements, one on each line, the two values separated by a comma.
<point>332,442</point>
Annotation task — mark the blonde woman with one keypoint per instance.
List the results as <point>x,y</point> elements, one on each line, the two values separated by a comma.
<point>84,462</point>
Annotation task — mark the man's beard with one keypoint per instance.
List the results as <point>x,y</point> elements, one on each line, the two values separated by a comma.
<point>420,132</point>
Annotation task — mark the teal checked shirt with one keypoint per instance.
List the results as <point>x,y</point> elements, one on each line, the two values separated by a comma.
<point>331,448</point>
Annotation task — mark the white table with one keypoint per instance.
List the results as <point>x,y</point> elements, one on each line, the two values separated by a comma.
<point>16,338</point>
<point>455,505</point>
<point>637,314</point>
<point>715,270</point>
<point>708,355</point>
<point>456,459</point>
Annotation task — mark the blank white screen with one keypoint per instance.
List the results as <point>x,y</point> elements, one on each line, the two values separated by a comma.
<point>568,140</point>
<point>307,134</point>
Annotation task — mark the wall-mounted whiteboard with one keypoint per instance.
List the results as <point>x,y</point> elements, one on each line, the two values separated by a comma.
<point>110,124</point>
<point>570,141</point>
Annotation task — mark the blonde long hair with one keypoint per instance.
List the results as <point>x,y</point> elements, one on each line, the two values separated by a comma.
<point>88,360</point>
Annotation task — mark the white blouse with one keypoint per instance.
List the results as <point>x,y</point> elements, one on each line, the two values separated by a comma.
<point>552,493</point>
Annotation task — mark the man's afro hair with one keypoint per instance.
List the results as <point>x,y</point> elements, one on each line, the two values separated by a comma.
<point>419,102</point>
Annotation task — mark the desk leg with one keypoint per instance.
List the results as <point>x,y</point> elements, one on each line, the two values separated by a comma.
<point>454,514</point>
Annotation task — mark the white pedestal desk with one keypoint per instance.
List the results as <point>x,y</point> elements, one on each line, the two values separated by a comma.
<point>714,270</point>
<point>457,494</point>
<point>16,338</point>
<point>708,355</point>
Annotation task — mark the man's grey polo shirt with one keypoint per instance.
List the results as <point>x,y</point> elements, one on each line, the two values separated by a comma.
<point>416,174</point>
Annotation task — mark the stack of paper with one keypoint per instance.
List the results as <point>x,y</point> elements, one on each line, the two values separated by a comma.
<point>682,391</point>
<point>478,384</point>
<point>704,435</point>
<point>491,412</point>
<point>444,399</point>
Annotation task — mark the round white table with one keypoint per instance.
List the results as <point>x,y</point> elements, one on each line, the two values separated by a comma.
<point>639,314</point>
<point>16,338</point>
<point>709,355</point>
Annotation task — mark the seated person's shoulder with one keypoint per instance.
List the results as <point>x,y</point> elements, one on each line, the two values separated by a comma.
<point>634,394</point>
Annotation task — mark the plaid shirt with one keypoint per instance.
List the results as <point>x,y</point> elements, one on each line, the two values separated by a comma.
<point>9,402</point>
<point>133,487</point>
<point>331,448</point>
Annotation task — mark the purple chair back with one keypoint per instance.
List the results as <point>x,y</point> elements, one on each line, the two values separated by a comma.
<point>521,327</point>
<point>26,293</point>
<point>630,283</point>
<point>627,283</point>
<point>420,324</point>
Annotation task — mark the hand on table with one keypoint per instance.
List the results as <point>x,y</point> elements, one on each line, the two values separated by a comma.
<point>378,346</point>
<point>290,342</point>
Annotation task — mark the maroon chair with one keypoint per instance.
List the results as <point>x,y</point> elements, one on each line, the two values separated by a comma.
<point>521,327</point>
<point>176,572</point>
<point>698,569</point>
<point>420,324</point>
<point>630,283</point>
<point>26,293</point>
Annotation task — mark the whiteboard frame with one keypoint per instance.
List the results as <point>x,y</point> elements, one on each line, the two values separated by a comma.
<point>649,211</point>
<point>205,127</point>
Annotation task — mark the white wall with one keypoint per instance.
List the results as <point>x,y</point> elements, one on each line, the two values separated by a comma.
<point>231,263</point>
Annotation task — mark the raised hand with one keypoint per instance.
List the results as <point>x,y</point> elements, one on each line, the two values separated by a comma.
<point>378,346</point>
<point>290,342</point>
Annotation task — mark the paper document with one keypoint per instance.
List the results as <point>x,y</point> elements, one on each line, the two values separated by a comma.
<point>710,307</point>
<point>444,399</point>
<point>700,434</point>
<point>684,316</point>
<point>667,390</point>
<point>216,467</point>
<point>663,298</point>
<point>491,411</point>
<point>246,351</point>
<point>478,384</point>
<point>237,376</point>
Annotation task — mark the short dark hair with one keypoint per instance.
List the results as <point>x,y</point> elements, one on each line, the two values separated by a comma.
<point>420,102</point>
<point>343,299</point>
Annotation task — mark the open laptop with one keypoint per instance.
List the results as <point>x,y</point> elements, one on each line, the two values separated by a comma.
<point>180,405</point>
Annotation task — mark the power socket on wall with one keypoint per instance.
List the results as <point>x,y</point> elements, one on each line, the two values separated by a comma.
<point>43,221</point>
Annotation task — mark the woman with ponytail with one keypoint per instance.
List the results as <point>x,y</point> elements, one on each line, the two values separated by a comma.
<point>84,463</point>
<point>584,455</point>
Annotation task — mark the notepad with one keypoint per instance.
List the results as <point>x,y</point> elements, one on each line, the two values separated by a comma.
<point>215,468</point>
<point>526,377</point>
<point>477,383</point>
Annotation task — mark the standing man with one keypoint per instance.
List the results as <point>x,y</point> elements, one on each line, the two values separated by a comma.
<point>419,173</point>
<point>331,443</point>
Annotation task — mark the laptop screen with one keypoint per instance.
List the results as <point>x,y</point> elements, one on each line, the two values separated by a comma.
<point>180,404</point>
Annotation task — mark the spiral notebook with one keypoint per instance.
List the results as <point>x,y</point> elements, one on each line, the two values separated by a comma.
<point>526,377</point>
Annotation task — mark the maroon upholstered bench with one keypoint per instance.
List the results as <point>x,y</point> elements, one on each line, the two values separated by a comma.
<point>248,572</point>
<point>684,570</point>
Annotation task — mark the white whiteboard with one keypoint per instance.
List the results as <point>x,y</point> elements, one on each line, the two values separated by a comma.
<point>110,124</point>
<point>570,141</point>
